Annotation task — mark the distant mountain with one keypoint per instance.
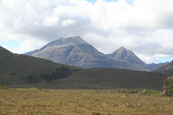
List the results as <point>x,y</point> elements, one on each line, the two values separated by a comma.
<point>154,66</point>
<point>75,51</point>
<point>166,69</point>
<point>21,69</point>
<point>129,57</point>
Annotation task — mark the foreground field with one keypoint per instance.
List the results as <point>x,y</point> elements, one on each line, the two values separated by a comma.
<point>81,102</point>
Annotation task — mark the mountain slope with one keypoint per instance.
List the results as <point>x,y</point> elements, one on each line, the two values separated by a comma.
<point>154,66</point>
<point>166,69</point>
<point>128,56</point>
<point>26,71</point>
<point>21,69</point>
<point>110,78</point>
<point>77,52</point>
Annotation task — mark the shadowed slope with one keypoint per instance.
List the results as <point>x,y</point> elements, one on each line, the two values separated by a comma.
<point>15,69</point>
<point>166,69</point>
<point>109,78</point>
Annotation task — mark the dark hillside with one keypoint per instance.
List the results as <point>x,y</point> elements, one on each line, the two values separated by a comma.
<point>166,69</point>
<point>18,69</point>
<point>109,78</point>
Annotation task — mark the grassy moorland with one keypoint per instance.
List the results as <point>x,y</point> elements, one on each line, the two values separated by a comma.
<point>32,101</point>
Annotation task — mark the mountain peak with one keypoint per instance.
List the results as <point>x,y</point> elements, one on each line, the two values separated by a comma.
<point>122,53</point>
<point>74,40</point>
<point>126,55</point>
<point>123,49</point>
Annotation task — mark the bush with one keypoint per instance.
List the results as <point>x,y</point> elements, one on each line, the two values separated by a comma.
<point>168,86</point>
<point>149,92</point>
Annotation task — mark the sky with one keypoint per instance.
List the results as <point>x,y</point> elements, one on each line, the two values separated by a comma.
<point>143,26</point>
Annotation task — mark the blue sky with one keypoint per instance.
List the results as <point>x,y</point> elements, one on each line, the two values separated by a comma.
<point>160,60</point>
<point>11,44</point>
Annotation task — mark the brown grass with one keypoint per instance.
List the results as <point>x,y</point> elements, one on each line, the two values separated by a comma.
<point>34,101</point>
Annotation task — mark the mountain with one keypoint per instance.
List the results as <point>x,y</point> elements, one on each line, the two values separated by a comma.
<point>166,69</point>
<point>75,51</point>
<point>154,66</point>
<point>129,57</point>
<point>21,69</point>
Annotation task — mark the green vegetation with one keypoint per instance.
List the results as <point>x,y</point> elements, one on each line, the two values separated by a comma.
<point>33,101</point>
<point>150,92</point>
<point>168,86</point>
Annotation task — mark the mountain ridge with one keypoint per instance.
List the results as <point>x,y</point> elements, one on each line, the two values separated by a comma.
<point>166,68</point>
<point>75,51</point>
<point>128,56</point>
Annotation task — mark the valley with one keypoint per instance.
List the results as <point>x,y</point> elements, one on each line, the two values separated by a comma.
<point>86,57</point>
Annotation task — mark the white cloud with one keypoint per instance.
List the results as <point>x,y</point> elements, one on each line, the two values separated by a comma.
<point>145,26</point>
<point>29,45</point>
<point>68,22</point>
<point>50,21</point>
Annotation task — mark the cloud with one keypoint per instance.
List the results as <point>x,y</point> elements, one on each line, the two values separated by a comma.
<point>50,21</point>
<point>68,22</point>
<point>29,45</point>
<point>144,26</point>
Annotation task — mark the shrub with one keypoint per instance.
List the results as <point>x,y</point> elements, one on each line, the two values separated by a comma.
<point>149,92</point>
<point>168,86</point>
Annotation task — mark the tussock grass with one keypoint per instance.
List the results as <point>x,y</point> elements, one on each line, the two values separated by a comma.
<point>82,102</point>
